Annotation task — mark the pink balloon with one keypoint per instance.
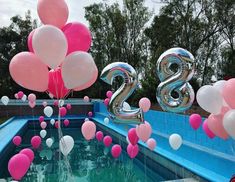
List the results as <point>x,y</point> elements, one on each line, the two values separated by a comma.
<point>44,104</point>
<point>36,141</point>
<point>116,151</point>
<point>18,166</point>
<point>29,72</point>
<point>88,130</point>
<point>151,143</point>
<point>29,153</point>
<point>145,104</point>
<point>53,12</point>
<point>144,131</point>
<point>195,121</point>
<point>132,136</point>
<point>107,141</point>
<point>228,92</point>
<point>20,94</point>
<point>86,99</point>
<point>132,150</point>
<point>56,103</point>
<point>106,101</point>
<point>16,96</point>
<point>17,140</point>
<point>43,125</point>
<point>215,124</point>
<point>41,119</point>
<point>208,132</point>
<point>99,136</point>
<point>32,104</point>
<point>32,97</point>
<point>56,84</point>
<point>57,124</point>
<point>66,122</point>
<point>68,106</point>
<point>63,111</point>
<point>78,37</point>
<point>30,41</point>
<point>109,94</point>
<point>90,114</point>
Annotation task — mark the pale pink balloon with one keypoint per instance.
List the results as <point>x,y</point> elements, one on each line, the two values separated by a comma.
<point>53,12</point>
<point>68,106</point>
<point>132,136</point>
<point>208,132</point>
<point>32,104</point>
<point>78,37</point>
<point>30,41</point>
<point>20,94</point>
<point>99,135</point>
<point>116,151</point>
<point>44,103</point>
<point>41,119</point>
<point>109,94</point>
<point>215,124</point>
<point>195,121</point>
<point>50,45</point>
<point>18,166</point>
<point>28,71</point>
<point>29,153</point>
<point>228,92</point>
<point>36,141</point>
<point>88,130</point>
<point>78,69</point>
<point>43,125</point>
<point>16,96</point>
<point>32,97</point>
<point>17,140</point>
<point>66,122</point>
<point>90,114</point>
<point>107,141</point>
<point>62,111</point>
<point>86,99</point>
<point>132,150</point>
<point>56,103</point>
<point>145,104</point>
<point>144,131</point>
<point>151,143</point>
<point>106,101</point>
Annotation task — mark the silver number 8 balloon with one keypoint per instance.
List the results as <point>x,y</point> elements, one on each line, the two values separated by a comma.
<point>175,82</point>
<point>115,106</point>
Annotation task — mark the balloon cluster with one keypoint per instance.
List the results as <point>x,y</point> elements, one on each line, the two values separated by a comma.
<point>61,47</point>
<point>219,100</point>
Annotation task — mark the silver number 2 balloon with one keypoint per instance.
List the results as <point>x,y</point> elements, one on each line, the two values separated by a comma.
<point>175,82</point>
<point>115,107</point>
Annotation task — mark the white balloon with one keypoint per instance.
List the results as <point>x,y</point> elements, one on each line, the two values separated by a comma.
<point>49,142</point>
<point>66,144</point>
<point>48,111</point>
<point>86,119</point>
<point>126,106</point>
<point>61,103</point>
<point>229,123</point>
<point>5,100</point>
<point>52,121</point>
<point>219,85</point>
<point>43,133</point>
<point>106,120</point>
<point>24,98</point>
<point>210,99</point>
<point>175,141</point>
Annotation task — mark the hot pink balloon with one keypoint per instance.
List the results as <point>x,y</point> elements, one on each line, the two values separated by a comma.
<point>106,101</point>
<point>44,104</point>
<point>36,141</point>
<point>88,130</point>
<point>29,153</point>
<point>68,106</point>
<point>30,41</point>
<point>18,166</point>
<point>78,37</point>
<point>32,104</point>
<point>144,131</point>
<point>116,151</point>
<point>132,136</point>
<point>99,135</point>
<point>56,103</point>
<point>107,141</point>
<point>228,94</point>
<point>63,111</point>
<point>53,12</point>
<point>29,72</point>
<point>66,122</point>
<point>90,114</point>
<point>57,124</point>
<point>56,84</point>
<point>208,132</point>
<point>195,121</point>
<point>17,140</point>
<point>132,150</point>
<point>32,97</point>
<point>20,94</point>
<point>43,125</point>
<point>41,119</point>
<point>151,143</point>
<point>86,99</point>
<point>145,104</point>
<point>109,94</point>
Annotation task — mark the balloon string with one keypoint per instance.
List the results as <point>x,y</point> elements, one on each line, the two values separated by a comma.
<point>33,122</point>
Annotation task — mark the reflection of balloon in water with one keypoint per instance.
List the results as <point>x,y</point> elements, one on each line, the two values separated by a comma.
<point>66,144</point>
<point>175,141</point>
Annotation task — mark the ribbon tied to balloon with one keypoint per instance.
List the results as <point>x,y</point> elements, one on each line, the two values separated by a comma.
<point>115,106</point>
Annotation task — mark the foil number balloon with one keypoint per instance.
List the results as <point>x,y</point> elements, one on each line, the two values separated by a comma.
<point>115,107</point>
<point>175,81</point>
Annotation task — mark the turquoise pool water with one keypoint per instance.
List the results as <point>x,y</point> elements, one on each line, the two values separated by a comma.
<point>89,162</point>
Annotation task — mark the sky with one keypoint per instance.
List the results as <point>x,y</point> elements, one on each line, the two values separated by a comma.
<point>11,8</point>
